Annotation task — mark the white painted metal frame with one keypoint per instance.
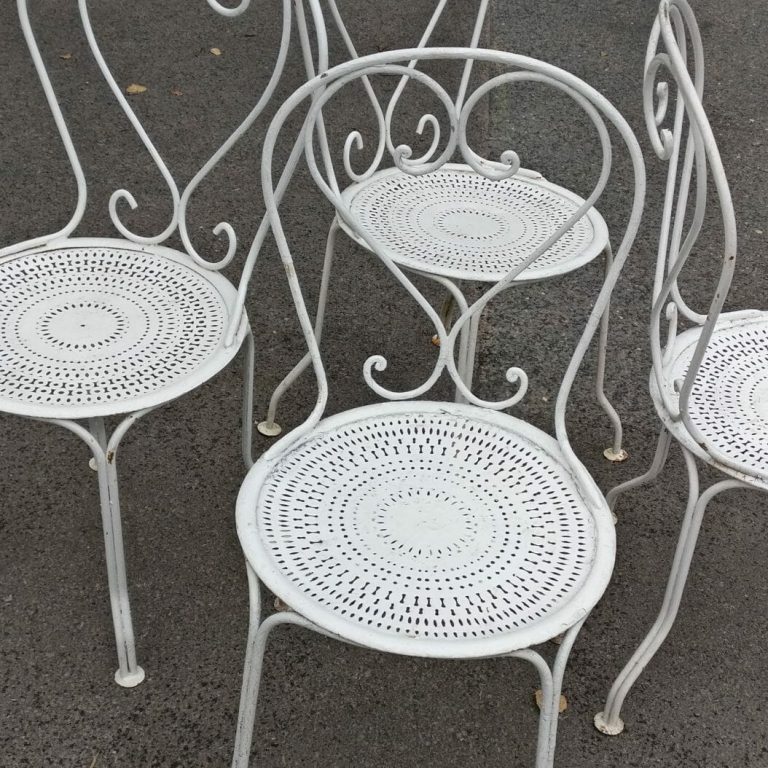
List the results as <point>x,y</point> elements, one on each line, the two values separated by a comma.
<point>86,323</point>
<point>462,184</point>
<point>286,541</point>
<point>706,380</point>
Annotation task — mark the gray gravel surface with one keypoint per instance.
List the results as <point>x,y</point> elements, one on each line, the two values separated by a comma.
<point>701,703</point>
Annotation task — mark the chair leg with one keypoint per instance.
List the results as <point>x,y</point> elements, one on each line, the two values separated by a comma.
<point>269,427</point>
<point>551,686</point>
<point>446,314</point>
<point>659,460</point>
<point>615,453</point>
<point>609,721</point>
<point>129,673</point>
<point>98,430</point>
<point>247,418</point>
<point>254,658</point>
<point>471,352</point>
<point>455,299</point>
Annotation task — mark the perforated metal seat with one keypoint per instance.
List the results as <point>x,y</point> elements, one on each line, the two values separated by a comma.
<point>427,529</point>
<point>729,399</point>
<point>91,328</point>
<point>461,225</point>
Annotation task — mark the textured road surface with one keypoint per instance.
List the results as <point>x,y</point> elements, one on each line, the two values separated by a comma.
<point>702,702</point>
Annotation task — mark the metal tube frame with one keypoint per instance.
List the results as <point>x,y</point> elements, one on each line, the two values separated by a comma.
<point>465,364</point>
<point>104,450</point>
<point>674,31</point>
<point>550,678</point>
<point>609,721</point>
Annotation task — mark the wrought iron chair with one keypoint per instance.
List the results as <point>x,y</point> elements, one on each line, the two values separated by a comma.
<point>433,529</point>
<point>708,382</point>
<point>457,226</point>
<point>103,326</point>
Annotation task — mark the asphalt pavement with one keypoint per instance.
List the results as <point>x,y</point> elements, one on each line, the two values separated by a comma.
<point>702,703</point>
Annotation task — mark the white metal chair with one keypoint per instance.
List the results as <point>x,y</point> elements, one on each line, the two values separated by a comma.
<point>99,327</point>
<point>709,381</point>
<point>457,226</point>
<point>433,529</point>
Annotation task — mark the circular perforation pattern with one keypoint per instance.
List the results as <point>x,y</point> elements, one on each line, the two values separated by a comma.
<point>461,224</point>
<point>88,326</point>
<point>427,525</point>
<point>729,399</point>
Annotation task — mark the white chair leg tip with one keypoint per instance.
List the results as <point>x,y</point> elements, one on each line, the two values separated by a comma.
<point>615,456</point>
<point>269,428</point>
<point>131,679</point>
<point>609,729</point>
<point>92,464</point>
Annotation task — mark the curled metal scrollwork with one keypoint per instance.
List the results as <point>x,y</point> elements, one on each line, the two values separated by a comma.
<point>457,116</point>
<point>123,194</point>
<point>224,228</point>
<point>656,95</point>
<point>320,90</point>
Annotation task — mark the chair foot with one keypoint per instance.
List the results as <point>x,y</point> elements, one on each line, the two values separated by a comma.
<point>609,729</point>
<point>435,340</point>
<point>129,679</point>
<point>615,456</point>
<point>92,464</point>
<point>269,428</point>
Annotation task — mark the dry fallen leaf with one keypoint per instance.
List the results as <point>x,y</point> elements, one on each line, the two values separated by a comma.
<point>216,51</point>
<point>135,88</point>
<point>65,56</point>
<point>177,92</point>
<point>281,606</point>
<point>540,698</point>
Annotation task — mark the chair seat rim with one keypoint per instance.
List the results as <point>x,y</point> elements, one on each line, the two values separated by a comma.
<point>683,345</point>
<point>163,394</point>
<point>257,551</point>
<point>574,262</point>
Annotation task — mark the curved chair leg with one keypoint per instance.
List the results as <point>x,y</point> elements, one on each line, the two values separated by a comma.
<point>615,453</point>
<point>471,353</point>
<point>129,673</point>
<point>98,430</point>
<point>269,427</point>
<point>247,417</point>
<point>609,721</point>
<point>449,303</point>
<point>446,315</point>
<point>659,460</point>
<point>254,658</point>
<point>551,687</point>
<point>457,299</point>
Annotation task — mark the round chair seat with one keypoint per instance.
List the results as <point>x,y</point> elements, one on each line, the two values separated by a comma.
<point>729,399</point>
<point>458,224</point>
<point>98,327</point>
<point>427,529</point>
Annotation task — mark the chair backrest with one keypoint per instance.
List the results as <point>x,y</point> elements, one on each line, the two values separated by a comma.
<point>180,199</point>
<point>318,94</point>
<point>689,149</point>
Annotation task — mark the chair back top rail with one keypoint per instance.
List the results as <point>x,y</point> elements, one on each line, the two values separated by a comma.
<point>384,134</point>
<point>319,91</point>
<point>675,27</point>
